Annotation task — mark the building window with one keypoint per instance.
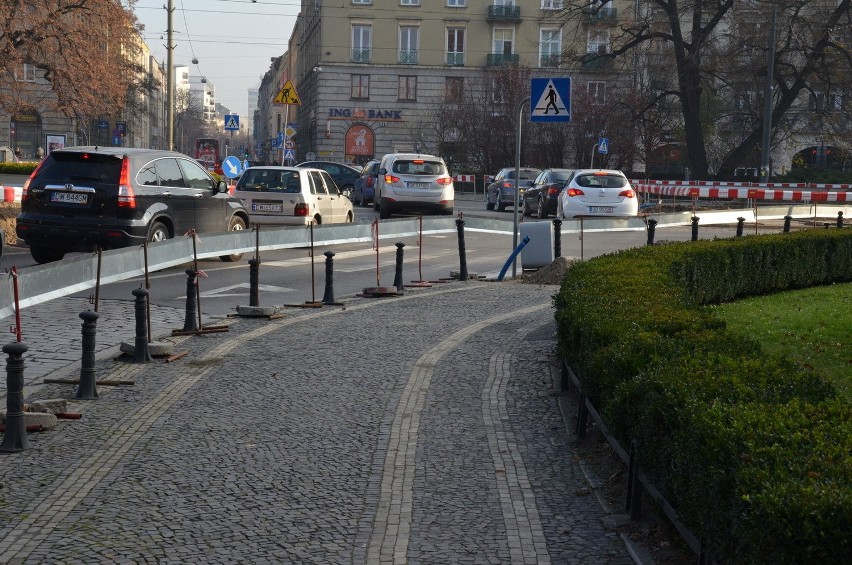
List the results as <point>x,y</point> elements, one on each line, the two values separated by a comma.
<point>835,102</point>
<point>551,47</point>
<point>361,86</point>
<point>362,1</point>
<point>409,2</point>
<point>816,101</point>
<point>498,92</point>
<point>361,43</point>
<point>26,74</point>
<point>503,39</point>
<point>407,88</point>
<point>456,3</point>
<point>598,41</point>
<point>551,4</point>
<point>743,100</point>
<point>454,89</point>
<point>408,36</point>
<point>455,47</point>
<point>597,92</point>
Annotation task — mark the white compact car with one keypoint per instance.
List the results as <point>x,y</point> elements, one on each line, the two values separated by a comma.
<point>597,192</point>
<point>411,182</point>
<point>292,196</point>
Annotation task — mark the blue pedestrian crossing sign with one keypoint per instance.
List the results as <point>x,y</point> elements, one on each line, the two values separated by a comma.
<point>550,99</point>
<point>232,122</point>
<point>289,154</point>
<point>603,145</point>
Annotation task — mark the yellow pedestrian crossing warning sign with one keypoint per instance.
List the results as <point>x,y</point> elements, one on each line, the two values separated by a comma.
<point>287,95</point>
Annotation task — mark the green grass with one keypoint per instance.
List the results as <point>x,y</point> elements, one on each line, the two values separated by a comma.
<point>812,327</point>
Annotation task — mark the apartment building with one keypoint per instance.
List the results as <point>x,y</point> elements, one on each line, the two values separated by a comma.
<point>371,72</point>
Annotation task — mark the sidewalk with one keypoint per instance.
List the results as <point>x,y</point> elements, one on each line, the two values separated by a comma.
<point>415,429</point>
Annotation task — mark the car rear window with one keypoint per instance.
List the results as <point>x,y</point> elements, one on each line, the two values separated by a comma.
<point>602,181</point>
<point>262,180</point>
<point>79,167</point>
<point>418,167</point>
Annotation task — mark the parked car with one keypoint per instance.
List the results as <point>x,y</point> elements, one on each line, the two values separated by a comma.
<point>82,197</point>
<point>344,175</point>
<point>543,195</point>
<point>598,192</point>
<point>501,192</point>
<point>413,182</point>
<point>292,196</point>
<point>365,186</point>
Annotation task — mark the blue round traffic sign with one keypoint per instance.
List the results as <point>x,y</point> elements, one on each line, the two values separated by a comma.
<point>232,167</point>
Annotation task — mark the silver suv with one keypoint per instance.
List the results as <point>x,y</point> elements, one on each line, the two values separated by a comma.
<point>413,182</point>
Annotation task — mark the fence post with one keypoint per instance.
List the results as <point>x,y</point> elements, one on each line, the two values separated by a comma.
<point>695,228</point>
<point>87,389</point>
<point>740,221</point>
<point>328,296</point>
<point>652,228</point>
<point>140,344</point>
<point>189,322</point>
<point>840,219</point>
<point>15,437</point>
<point>787,220</point>
<point>557,237</point>
<point>397,276</point>
<point>254,280</point>
<point>463,275</point>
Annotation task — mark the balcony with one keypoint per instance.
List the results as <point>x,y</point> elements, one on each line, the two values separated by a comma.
<point>592,62</point>
<point>500,59</point>
<point>552,61</point>
<point>455,59</point>
<point>604,15</point>
<point>408,57</point>
<point>503,14</point>
<point>360,55</point>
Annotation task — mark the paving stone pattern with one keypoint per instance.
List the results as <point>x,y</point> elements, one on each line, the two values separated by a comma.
<point>414,429</point>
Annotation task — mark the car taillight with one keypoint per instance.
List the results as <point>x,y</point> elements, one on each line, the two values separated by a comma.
<point>390,179</point>
<point>25,190</point>
<point>575,192</point>
<point>369,182</point>
<point>444,180</point>
<point>553,190</point>
<point>126,196</point>
<point>627,193</point>
<point>301,209</point>
<point>508,184</point>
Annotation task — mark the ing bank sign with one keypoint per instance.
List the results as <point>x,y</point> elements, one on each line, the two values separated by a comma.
<point>365,114</point>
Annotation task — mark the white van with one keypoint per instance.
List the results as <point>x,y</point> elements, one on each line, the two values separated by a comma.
<point>413,182</point>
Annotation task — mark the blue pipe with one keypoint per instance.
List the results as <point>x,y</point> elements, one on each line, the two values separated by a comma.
<point>511,258</point>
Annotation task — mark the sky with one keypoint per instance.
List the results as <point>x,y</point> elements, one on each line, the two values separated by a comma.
<point>233,40</point>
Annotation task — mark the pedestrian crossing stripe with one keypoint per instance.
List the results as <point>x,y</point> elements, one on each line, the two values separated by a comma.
<point>287,95</point>
<point>550,100</point>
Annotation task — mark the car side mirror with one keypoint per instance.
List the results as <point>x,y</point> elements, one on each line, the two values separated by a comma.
<point>221,186</point>
<point>383,171</point>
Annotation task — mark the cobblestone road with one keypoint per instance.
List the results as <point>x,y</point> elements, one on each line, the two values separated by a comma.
<point>413,429</point>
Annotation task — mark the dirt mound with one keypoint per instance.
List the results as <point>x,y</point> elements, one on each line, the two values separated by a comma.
<point>8,212</point>
<point>551,274</point>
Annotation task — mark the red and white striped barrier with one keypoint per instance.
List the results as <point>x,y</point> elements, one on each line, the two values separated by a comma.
<point>764,186</point>
<point>12,193</point>
<point>464,178</point>
<point>721,191</point>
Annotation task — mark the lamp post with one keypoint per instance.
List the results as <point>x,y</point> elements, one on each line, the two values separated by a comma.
<point>170,80</point>
<point>765,173</point>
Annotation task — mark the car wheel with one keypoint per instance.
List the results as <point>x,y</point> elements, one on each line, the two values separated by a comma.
<point>376,202</point>
<point>158,232</point>
<point>542,209</point>
<point>525,210</point>
<point>488,204</point>
<point>237,224</point>
<point>363,201</point>
<point>501,207</point>
<point>384,210</point>
<point>350,217</point>
<point>43,254</point>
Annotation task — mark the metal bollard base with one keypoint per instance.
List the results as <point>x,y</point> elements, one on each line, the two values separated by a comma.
<point>155,348</point>
<point>256,311</point>
<point>379,291</point>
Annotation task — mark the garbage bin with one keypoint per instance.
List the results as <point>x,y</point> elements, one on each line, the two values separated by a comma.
<point>539,251</point>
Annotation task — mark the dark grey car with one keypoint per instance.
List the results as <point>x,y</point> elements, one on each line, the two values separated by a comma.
<point>501,192</point>
<point>80,198</point>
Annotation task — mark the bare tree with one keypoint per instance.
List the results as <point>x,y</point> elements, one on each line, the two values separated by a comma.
<point>84,48</point>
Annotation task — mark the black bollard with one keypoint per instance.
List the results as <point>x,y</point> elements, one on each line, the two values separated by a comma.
<point>140,344</point>
<point>254,279</point>
<point>463,276</point>
<point>695,228</point>
<point>87,390</point>
<point>826,225</point>
<point>840,219</point>
<point>652,228</point>
<point>557,237</point>
<point>190,323</point>
<point>15,438</point>
<point>740,222</point>
<point>397,277</point>
<point>787,220</point>
<point>328,296</point>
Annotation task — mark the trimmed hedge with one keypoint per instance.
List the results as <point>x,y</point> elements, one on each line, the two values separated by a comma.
<point>14,168</point>
<point>753,452</point>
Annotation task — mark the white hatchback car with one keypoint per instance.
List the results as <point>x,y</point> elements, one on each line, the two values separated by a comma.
<point>597,192</point>
<point>291,196</point>
<point>411,182</point>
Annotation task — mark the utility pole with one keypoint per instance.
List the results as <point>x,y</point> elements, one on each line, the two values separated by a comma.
<point>170,80</point>
<point>767,105</point>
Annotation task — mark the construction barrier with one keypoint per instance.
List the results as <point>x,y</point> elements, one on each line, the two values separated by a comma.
<point>759,192</point>
<point>12,193</point>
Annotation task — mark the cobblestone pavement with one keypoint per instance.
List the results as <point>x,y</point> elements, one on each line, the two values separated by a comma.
<point>416,429</point>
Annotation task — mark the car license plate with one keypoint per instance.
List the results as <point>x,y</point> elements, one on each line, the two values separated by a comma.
<point>69,197</point>
<point>600,209</point>
<point>417,185</point>
<point>267,207</point>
